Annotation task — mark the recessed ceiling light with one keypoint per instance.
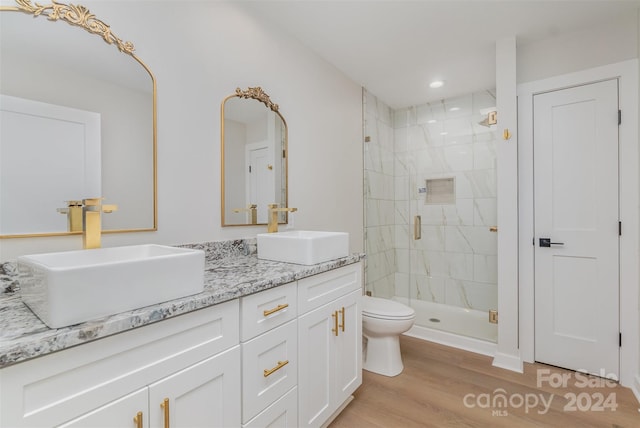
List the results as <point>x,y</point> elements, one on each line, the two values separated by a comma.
<point>444,133</point>
<point>432,121</point>
<point>436,84</point>
<point>454,109</point>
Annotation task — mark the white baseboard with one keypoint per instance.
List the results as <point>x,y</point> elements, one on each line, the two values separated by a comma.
<point>508,362</point>
<point>635,388</point>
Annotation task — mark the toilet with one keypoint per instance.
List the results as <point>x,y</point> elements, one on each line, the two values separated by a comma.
<point>383,321</point>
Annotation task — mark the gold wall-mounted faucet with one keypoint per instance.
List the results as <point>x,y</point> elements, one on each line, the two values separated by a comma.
<point>253,209</point>
<point>272,226</point>
<point>92,210</point>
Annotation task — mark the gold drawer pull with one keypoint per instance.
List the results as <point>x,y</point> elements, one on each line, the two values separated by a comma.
<point>137,419</point>
<point>342,312</point>
<point>493,229</point>
<point>276,309</point>
<point>335,322</point>
<point>165,406</point>
<point>280,365</point>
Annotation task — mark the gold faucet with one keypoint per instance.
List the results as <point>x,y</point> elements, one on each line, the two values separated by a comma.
<point>272,226</point>
<point>92,210</point>
<point>253,209</point>
<point>73,210</point>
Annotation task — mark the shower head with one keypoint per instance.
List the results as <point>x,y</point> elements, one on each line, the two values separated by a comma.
<point>491,119</point>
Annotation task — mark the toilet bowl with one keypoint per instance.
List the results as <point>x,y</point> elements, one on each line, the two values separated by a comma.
<point>383,321</point>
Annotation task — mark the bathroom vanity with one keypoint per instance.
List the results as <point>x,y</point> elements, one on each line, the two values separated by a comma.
<point>265,342</point>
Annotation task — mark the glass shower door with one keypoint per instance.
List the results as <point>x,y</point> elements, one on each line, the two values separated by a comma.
<point>446,208</point>
<point>431,170</point>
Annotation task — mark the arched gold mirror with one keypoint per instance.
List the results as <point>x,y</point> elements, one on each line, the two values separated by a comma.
<point>78,119</point>
<point>254,158</point>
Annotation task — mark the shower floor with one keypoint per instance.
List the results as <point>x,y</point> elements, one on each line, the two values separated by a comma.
<point>452,319</point>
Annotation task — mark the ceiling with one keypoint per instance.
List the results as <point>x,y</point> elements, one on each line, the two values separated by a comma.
<point>394,48</point>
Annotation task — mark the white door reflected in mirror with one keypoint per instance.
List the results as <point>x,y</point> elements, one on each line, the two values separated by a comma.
<point>49,154</point>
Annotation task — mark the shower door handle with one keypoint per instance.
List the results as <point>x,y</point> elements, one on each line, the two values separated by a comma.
<point>546,243</point>
<point>417,227</point>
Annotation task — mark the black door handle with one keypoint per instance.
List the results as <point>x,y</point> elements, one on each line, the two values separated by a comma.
<point>546,242</point>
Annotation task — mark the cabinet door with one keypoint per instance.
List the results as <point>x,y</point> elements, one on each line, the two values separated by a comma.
<point>119,413</point>
<point>206,394</point>
<point>315,362</point>
<point>348,351</point>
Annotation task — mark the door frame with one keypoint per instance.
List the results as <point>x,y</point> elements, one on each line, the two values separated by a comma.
<point>629,198</point>
<point>249,148</point>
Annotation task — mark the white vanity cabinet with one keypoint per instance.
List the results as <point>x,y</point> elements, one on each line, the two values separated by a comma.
<point>288,356</point>
<point>192,360</point>
<point>330,343</point>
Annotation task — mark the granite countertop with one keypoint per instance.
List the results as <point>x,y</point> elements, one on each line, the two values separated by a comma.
<point>228,275</point>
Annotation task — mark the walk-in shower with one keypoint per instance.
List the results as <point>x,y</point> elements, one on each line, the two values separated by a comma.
<point>430,212</point>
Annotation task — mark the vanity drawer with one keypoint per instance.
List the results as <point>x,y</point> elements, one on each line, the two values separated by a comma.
<point>323,288</point>
<point>283,413</point>
<point>260,312</point>
<point>269,368</point>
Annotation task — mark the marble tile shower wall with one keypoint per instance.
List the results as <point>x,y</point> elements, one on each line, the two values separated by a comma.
<point>379,197</point>
<point>455,262</point>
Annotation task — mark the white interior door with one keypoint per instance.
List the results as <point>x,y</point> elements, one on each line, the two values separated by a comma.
<point>49,154</point>
<point>576,209</point>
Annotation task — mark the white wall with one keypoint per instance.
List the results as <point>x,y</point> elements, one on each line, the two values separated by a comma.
<point>603,44</point>
<point>200,52</point>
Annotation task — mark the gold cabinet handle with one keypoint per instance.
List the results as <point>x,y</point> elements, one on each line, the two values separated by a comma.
<point>137,419</point>
<point>165,406</point>
<point>493,229</point>
<point>342,325</point>
<point>335,322</point>
<point>281,364</point>
<point>276,309</point>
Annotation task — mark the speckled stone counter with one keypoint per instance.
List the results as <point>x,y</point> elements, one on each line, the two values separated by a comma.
<point>232,270</point>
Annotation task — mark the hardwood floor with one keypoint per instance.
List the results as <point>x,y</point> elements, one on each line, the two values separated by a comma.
<point>446,387</point>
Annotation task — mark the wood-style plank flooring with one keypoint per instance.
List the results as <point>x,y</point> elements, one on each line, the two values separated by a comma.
<point>447,387</point>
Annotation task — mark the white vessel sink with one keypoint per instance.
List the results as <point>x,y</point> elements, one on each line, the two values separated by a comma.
<point>75,286</point>
<point>304,247</point>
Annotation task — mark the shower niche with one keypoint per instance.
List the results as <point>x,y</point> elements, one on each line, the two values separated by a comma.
<point>440,191</point>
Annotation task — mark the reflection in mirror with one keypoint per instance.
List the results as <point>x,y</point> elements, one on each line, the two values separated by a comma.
<point>94,107</point>
<point>254,158</point>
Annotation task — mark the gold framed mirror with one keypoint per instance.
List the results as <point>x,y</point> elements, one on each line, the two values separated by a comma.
<point>253,157</point>
<point>48,65</point>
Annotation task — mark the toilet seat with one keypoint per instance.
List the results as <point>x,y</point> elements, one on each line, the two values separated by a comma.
<point>375,307</point>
